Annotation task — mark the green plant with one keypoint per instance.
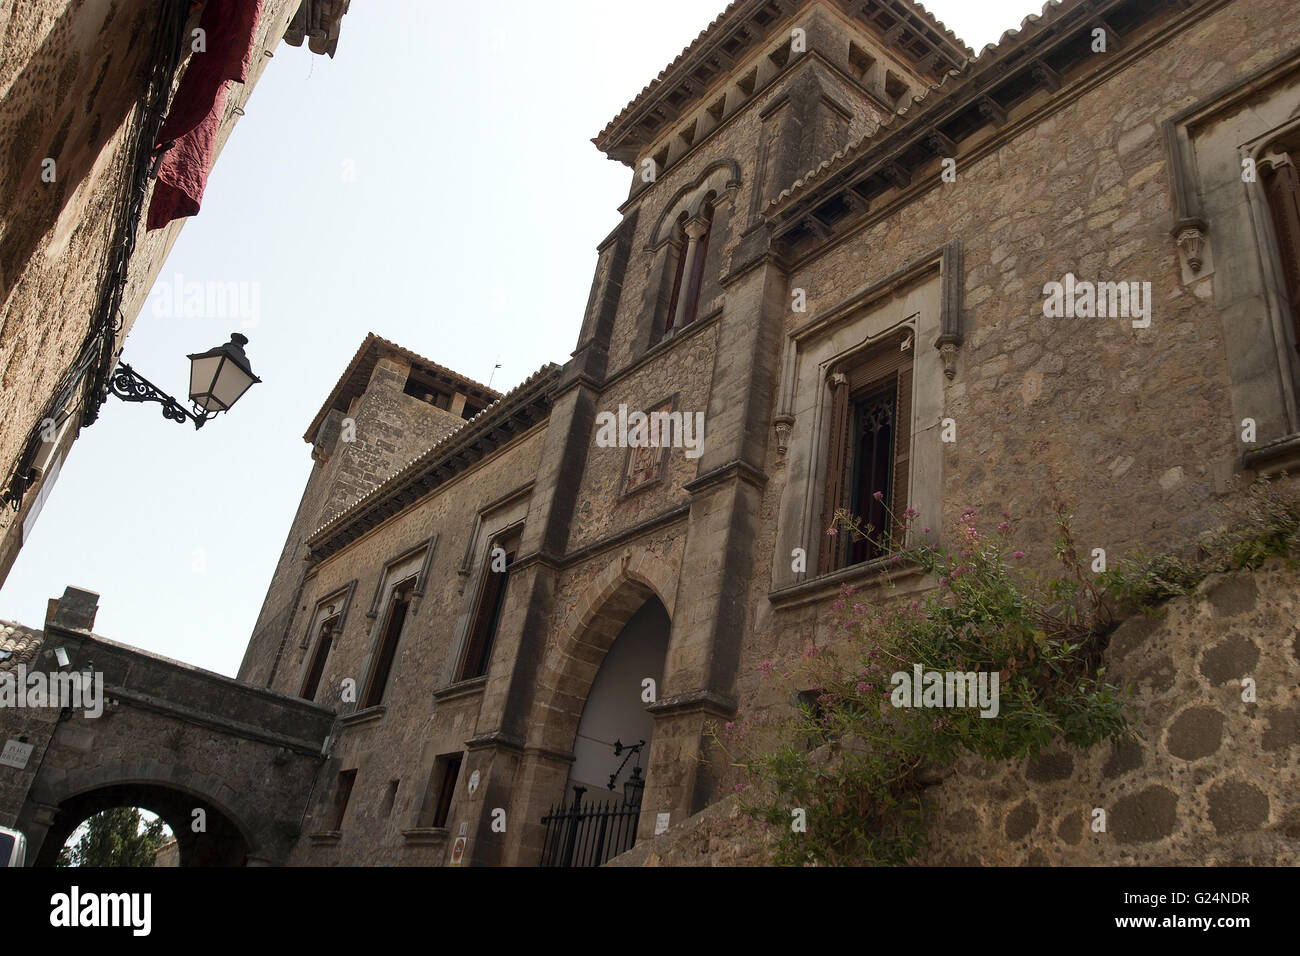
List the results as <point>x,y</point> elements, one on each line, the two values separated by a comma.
<point>1254,524</point>
<point>839,780</point>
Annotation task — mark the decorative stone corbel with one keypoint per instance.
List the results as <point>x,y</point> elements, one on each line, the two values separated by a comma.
<point>784,425</point>
<point>1190,236</point>
<point>948,355</point>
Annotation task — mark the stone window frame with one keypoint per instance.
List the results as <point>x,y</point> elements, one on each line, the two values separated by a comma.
<point>411,563</point>
<point>861,321</point>
<point>383,652</point>
<point>623,491</point>
<point>443,782</point>
<point>491,591</point>
<point>341,598</point>
<point>501,517</point>
<point>846,385</point>
<point>1200,226</point>
<point>399,561</point>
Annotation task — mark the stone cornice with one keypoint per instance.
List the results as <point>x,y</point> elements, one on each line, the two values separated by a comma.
<point>705,700</point>
<point>738,469</point>
<point>837,197</point>
<point>741,30</point>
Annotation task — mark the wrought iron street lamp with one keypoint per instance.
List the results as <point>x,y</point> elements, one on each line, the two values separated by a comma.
<point>218,378</point>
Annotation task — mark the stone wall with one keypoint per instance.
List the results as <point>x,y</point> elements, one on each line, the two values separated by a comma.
<point>1212,782</point>
<point>26,725</point>
<point>384,428</point>
<point>400,742</point>
<point>71,72</point>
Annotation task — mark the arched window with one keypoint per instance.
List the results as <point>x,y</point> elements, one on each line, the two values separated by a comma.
<point>679,251</point>
<point>693,245</point>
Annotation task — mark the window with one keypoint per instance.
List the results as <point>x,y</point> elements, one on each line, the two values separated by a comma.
<point>692,243</point>
<point>867,470</point>
<point>491,601</point>
<point>324,641</point>
<point>398,605</point>
<point>1282,190</point>
<point>342,794</point>
<point>446,772</point>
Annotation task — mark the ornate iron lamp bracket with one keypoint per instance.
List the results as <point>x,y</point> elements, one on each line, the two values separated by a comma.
<point>130,386</point>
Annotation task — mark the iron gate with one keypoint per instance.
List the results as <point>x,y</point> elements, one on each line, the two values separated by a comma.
<point>591,835</point>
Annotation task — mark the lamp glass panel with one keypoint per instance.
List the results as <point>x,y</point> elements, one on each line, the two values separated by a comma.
<point>202,372</point>
<point>231,383</point>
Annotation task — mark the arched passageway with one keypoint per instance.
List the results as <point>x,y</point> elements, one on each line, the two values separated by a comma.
<point>221,843</point>
<point>615,710</point>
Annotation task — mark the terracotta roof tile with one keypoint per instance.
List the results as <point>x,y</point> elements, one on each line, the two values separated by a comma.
<point>18,645</point>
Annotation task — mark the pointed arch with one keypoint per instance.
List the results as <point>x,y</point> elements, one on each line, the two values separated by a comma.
<point>586,635</point>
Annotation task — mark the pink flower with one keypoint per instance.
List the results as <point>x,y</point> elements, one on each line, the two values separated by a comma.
<point>862,687</point>
<point>831,531</point>
<point>1017,554</point>
<point>879,495</point>
<point>1004,526</point>
<point>766,667</point>
<point>926,530</point>
<point>731,725</point>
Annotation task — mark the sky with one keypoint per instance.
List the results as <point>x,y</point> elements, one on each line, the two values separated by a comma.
<point>434,183</point>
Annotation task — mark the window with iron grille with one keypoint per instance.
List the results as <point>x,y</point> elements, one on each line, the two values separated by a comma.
<point>869,449</point>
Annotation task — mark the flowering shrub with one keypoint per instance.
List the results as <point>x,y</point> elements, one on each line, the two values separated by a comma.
<point>856,754</point>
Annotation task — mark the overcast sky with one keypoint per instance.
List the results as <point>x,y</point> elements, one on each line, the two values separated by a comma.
<point>434,183</point>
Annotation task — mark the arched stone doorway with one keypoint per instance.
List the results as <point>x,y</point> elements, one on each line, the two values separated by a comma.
<point>223,843</point>
<point>615,710</point>
<point>624,646</point>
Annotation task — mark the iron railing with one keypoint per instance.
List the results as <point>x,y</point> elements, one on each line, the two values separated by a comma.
<point>590,834</point>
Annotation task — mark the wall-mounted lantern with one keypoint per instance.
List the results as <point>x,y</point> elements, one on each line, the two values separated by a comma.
<point>218,378</point>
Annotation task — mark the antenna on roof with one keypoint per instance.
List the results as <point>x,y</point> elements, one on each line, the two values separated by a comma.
<point>494,372</point>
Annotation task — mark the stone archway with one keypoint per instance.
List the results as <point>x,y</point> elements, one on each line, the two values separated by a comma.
<point>615,713</point>
<point>174,793</point>
<point>221,842</point>
<point>585,637</point>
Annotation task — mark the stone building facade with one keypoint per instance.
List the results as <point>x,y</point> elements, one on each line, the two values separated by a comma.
<point>83,87</point>
<point>837,252</point>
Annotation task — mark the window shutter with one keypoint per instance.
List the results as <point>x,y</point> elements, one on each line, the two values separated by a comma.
<point>1284,202</point>
<point>902,448</point>
<point>835,465</point>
